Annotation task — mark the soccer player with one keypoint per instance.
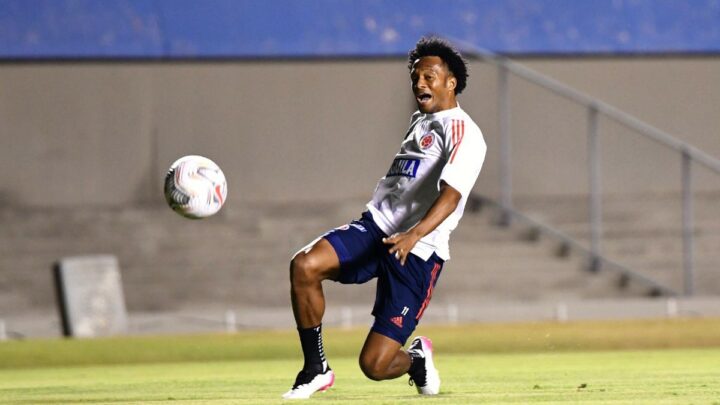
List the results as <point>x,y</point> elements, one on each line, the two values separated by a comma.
<point>402,238</point>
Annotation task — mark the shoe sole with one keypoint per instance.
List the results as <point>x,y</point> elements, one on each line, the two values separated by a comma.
<point>429,363</point>
<point>322,389</point>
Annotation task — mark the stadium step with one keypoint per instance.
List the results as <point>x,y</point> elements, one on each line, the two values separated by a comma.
<point>641,232</point>
<point>241,256</point>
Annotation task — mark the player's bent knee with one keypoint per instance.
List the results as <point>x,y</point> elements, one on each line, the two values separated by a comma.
<point>303,269</point>
<point>373,368</point>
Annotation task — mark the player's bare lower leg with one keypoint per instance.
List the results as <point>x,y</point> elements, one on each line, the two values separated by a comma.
<point>382,358</point>
<point>307,272</point>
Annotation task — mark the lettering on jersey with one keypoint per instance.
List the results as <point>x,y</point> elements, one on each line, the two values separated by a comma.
<point>404,167</point>
<point>358,227</point>
<point>427,140</point>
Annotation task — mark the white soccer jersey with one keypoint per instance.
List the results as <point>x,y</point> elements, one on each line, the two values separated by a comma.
<point>445,146</point>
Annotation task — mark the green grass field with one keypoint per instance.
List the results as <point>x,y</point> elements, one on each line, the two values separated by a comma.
<point>652,362</point>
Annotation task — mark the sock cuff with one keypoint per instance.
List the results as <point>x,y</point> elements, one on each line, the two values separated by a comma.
<point>301,329</point>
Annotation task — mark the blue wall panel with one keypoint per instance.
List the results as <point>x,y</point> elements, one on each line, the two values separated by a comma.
<point>289,28</point>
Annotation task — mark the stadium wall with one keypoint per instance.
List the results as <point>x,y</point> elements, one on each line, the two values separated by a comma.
<point>103,133</point>
<point>171,29</point>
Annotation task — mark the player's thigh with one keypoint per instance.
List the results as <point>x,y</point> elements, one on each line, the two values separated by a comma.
<point>359,247</point>
<point>320,258</point>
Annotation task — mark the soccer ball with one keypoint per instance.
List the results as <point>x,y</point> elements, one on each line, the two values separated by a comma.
<point>195,187</point>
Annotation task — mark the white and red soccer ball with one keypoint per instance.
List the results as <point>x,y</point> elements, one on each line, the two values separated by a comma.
<point>195,187</point>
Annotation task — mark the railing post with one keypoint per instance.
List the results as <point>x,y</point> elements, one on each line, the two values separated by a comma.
<point>595,205</point>
<point>687,224</point>
<point>230,321</point>
<point>505,159</point>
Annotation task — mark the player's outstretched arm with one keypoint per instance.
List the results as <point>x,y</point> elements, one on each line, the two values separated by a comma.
<point>403,242</point>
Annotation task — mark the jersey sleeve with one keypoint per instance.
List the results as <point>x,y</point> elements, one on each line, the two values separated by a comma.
<point>464,148</point>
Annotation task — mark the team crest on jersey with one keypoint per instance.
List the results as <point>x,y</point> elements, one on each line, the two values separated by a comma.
<point>404,167</point>
<point>427,140</point>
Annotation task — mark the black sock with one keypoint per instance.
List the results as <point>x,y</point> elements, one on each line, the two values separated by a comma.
<point>312,347</point>
<point>417,363</point>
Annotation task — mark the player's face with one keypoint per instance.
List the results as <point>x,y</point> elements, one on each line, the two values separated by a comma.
<point>433,85</point>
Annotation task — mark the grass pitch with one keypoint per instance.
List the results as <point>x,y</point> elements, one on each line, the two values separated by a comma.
<point>651,362</point>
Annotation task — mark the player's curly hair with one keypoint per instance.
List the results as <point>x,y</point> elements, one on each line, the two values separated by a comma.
<point>434,46</point>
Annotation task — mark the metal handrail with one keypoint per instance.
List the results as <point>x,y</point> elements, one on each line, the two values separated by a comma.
<point>595,107</point>
<point>602,107</point>
<point>564,238</point>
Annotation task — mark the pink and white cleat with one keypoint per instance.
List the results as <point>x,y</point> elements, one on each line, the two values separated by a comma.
<point>427,379</point>
<point>309,382</point>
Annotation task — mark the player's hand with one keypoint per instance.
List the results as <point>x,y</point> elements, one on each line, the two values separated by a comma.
<point>402,243</point>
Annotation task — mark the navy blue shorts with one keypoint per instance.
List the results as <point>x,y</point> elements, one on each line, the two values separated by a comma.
<point>403,292</point>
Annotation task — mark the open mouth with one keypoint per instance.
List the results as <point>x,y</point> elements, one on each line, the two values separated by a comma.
<point>423,97</point>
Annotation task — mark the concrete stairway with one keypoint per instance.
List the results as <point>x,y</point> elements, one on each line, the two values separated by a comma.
<point>240,257</point>
<point>644,233</point>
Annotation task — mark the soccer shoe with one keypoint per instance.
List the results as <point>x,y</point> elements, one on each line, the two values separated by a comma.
<point>309,382</point>
<point>427,379</point>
